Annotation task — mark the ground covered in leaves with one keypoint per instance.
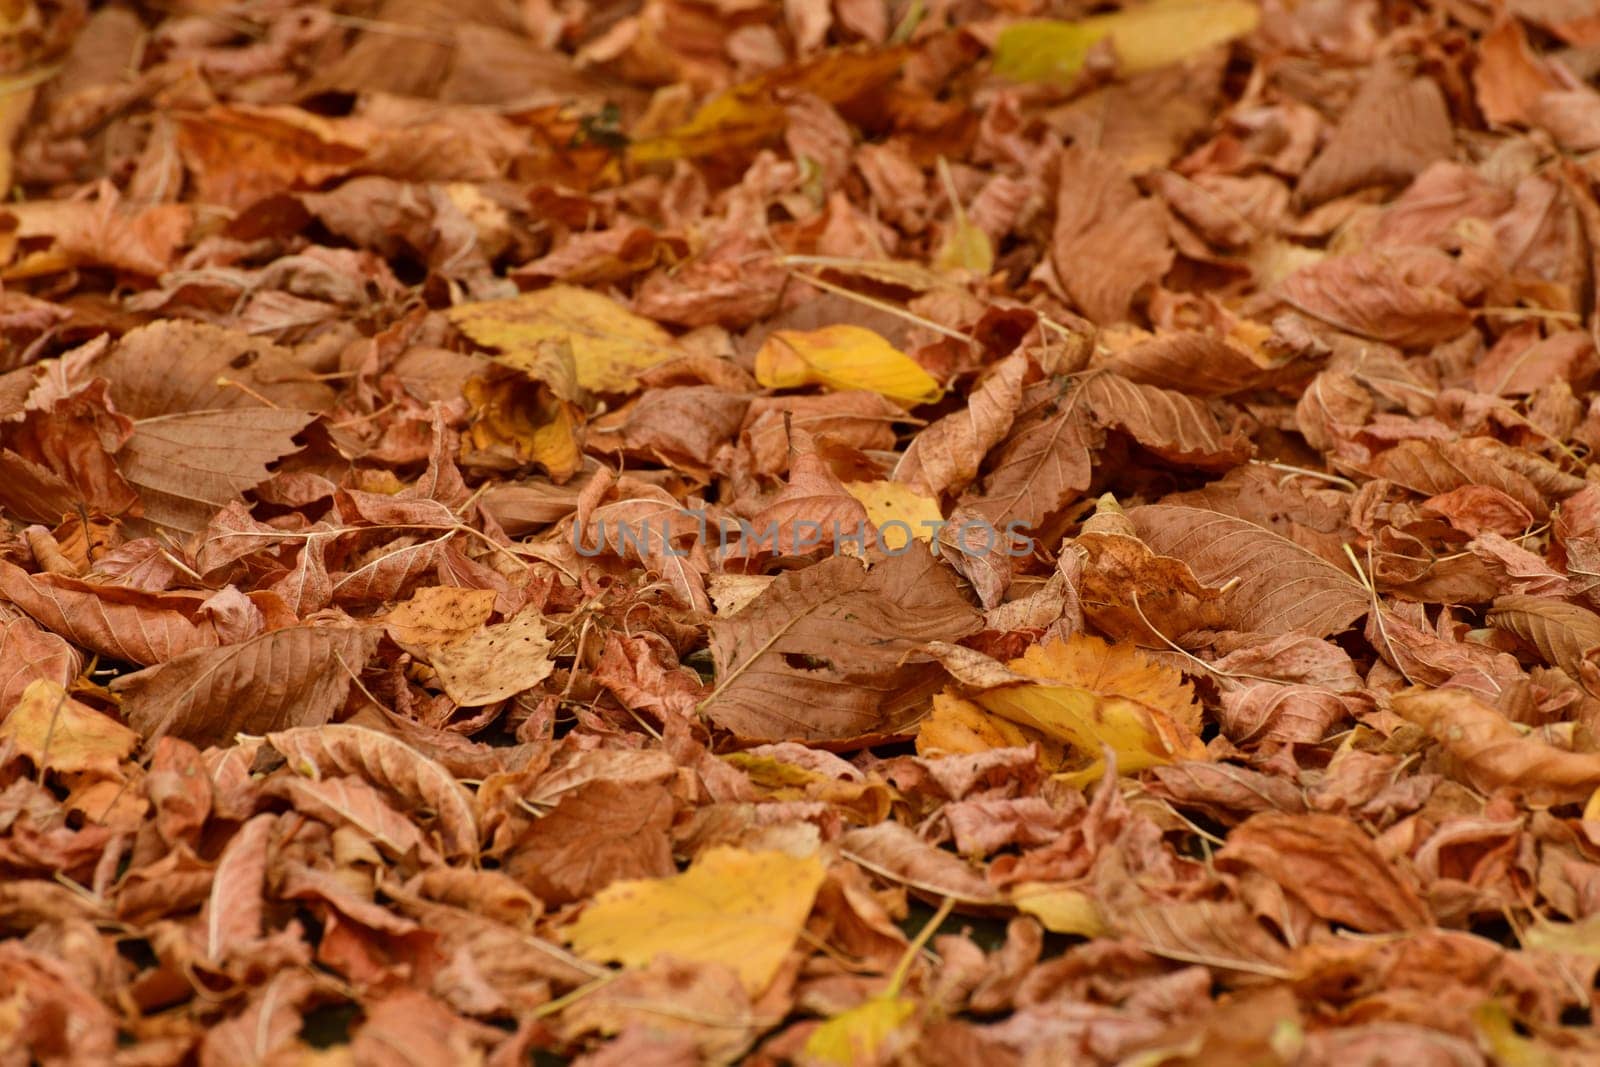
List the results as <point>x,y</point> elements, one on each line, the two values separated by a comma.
<point>833,531</point>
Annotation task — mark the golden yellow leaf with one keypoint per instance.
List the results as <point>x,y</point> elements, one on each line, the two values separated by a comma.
<point>1060,909</point>
<point>610,344</point>
<point>966,247</point>
<point>738,908</point>
<point>59,734</point>
<point>523,422</point>
<point>1090,695</point>
<point>859,1034</point>
<point>1114,670</point>
<point>899,512</point>
<point>843,357</point>
<point>1498,1031</point>
<point>960,727</point>
<point>754,111</point>
<point>1145,37</point>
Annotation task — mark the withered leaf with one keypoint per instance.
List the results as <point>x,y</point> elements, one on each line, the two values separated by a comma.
<point>1272,584</point>
<point>187,466</point>
<point>829,655</point>
<point>389,764</point>
<point>1332,866</point>
<point>297,676</point>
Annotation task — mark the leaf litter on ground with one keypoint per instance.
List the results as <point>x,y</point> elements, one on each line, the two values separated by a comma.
<point>834,531</point>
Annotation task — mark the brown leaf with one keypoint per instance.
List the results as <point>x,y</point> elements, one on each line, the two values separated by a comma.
<point>597,833</point>
<point>292,677</point>
<point>495,662</point>
<point>1509,77</point>
<point>1042,463</point>
<point>1413,300</point>
<point>1563,633</point>
<point>1173,425</point>
<point>172,366</point>
<point>1490,751</point>
<point>1330,864</point>
<point>827,654</point>
<point>269,1024</point>
<point>1200,364</point>
<point>239,155</point>
<point>233,913</point>
<point>389,764</point>
<point>116,621</point>
<point>1394,128</point>
<point>1435,467</point>
<point>186,466</point>
<point>897,855</point>
<point>1277,586</point>
<point>28,654</point>
<point>945,456</point>
<point>342,801</point>
<point>1109,243</point>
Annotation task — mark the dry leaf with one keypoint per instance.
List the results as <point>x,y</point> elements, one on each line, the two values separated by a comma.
<point>828,654</point>
<point>741,909</point>
<point>1092,696</point>
<point>62,735</point>
<point>1273,585</point>
<point>610,345</point>
<point>389,764</point>
<point>843,357</point>
<point>1490,751</point>
<point>297,676</point>
<point>1150,35</point>
<point>495,662</point>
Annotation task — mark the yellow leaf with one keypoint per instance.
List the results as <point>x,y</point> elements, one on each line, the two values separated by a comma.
<point>859,1034</point>
<point>754,111</point>
<point>843,357</point>
<point>610,344</point>
<point>741,909</point>
<point>960,727</point>
<point>911,514</point>
<point>1061,910</point>
<point>1581,938</point>
<point>523,422</point>
<point>1092,695</point>
<point>1114,670</point>
<point>965,248</point>
<point>1146,37</point>
<point>1497,1030</point>
<point>59,734</point>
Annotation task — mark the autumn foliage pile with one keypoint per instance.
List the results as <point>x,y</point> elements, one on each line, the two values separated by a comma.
<point>379,381</point>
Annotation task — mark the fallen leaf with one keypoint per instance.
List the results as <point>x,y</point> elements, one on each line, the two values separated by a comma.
<point>1274,586</point>
<point>859,1034</point>
<point>843,357</point>
<point>63,735</point>
<point>297,676</point>
<point>781,660</point>
<point>1147,36</point>
<point>390,765</point>
<point>899,513</point>
<point>495,662</point>
<point>741,909</point>
<point>1489,751</point>
<point>1091,696</point>
<point>610,345</point>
